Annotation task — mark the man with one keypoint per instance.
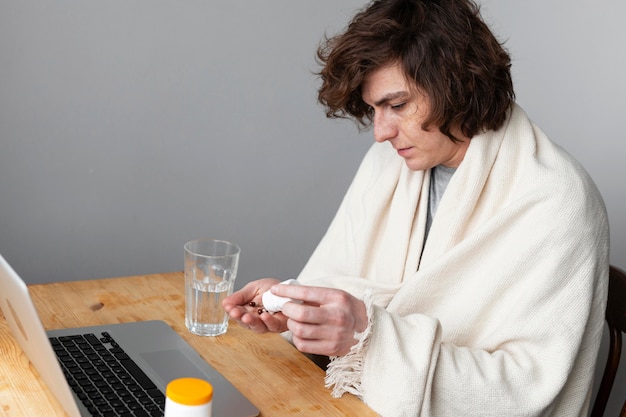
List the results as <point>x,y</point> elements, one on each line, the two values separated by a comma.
<point>485,300</point>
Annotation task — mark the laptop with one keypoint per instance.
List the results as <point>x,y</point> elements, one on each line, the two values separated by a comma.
<point>133,362</point>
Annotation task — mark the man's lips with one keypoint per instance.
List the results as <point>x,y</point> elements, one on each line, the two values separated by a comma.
<point>404,151</point>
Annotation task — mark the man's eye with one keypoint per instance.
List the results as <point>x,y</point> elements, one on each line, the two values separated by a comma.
<point>398,106</point>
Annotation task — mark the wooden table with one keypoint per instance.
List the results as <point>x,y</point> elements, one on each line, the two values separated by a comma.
<point>268,370</point>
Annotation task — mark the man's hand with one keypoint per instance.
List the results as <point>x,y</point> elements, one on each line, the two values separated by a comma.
<point>244,306</point>
<point>326,321</point>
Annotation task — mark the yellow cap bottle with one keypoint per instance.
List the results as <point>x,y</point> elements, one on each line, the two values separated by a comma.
<point>188,397</point>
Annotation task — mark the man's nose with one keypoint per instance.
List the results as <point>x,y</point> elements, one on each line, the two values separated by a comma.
<point>384,129</point>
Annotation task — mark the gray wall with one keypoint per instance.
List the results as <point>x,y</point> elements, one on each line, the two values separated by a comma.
<point>130,127</point>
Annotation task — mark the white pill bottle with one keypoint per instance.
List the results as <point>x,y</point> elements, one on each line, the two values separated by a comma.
<point>188,397</point>
<point>273,303</point>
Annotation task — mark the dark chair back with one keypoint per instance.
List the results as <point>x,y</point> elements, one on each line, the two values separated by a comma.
<point>616,320</point>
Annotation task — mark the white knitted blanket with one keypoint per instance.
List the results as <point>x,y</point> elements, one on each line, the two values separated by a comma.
<point>501,312</point>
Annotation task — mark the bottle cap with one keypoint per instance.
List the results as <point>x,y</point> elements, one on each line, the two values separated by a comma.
<point>189,391</point>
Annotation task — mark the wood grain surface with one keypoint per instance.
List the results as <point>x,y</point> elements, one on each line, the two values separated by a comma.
<point>268,370</point>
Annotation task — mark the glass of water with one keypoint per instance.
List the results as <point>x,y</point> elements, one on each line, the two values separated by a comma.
<point>210,271</point>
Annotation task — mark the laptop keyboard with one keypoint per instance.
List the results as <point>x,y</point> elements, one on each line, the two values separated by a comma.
<point>105,379</point>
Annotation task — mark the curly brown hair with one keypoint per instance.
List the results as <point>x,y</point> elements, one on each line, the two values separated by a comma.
<point>444,46</point>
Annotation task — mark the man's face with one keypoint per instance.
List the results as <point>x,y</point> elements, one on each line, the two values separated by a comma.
<point>398,113</point>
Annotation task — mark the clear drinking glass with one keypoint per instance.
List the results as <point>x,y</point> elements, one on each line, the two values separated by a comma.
<point>210,271</point>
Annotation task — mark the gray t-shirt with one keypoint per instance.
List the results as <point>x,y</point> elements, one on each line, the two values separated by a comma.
<point>439,179</point>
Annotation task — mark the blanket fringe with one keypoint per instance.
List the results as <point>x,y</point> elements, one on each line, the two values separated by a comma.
<point>344,372</point>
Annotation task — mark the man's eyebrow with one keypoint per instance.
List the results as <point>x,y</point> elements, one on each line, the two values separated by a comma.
<point>391,96</point>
